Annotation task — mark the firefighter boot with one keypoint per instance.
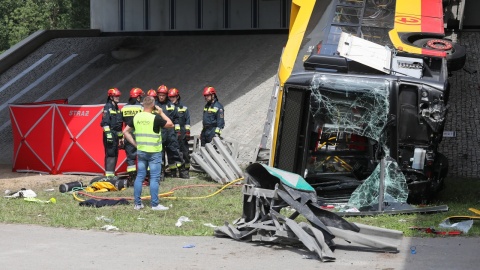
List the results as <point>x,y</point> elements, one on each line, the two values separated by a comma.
<point>173,173</point>
<point>131,178</point>
<point>183,173</point>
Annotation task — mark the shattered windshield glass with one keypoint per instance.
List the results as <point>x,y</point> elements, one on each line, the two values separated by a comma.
<point>350,116</point>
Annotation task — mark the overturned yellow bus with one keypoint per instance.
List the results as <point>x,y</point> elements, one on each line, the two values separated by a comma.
<point>360,81</point>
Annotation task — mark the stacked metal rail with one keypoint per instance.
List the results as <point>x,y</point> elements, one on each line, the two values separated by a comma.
<point>218,160</point>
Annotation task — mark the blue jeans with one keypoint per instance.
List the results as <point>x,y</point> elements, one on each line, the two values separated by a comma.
<point>154,162</point>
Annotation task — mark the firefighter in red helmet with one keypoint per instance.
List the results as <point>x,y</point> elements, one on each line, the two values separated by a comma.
<point>112,130</point>
<point>183,130</point>
<point>169,137</point>
<point>133,107</point>
<point>213,116</point>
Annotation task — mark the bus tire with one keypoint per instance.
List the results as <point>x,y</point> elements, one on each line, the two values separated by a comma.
<point>456,56</point>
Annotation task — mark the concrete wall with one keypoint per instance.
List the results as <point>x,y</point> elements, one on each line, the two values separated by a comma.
<point>25,47</point>
<point>180,15</point>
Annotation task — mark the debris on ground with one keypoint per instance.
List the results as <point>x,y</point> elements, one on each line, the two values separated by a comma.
<point>181,220</point>
<point>268,191</point>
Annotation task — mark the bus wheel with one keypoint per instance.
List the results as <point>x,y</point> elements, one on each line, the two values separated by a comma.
<point>456,53</point>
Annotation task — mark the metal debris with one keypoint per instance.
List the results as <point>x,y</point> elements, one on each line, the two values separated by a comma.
<point>269,191</point>
<point>218,159</point>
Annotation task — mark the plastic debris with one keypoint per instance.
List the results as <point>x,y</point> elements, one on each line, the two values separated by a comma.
<point>104,219</point>
<point>181,220</point>
<point>23,193</point>
<point>463,226</point>
<point>210,225</point>
<point>52,200</point>
<point>189,246</point>
<point>110,228</point>
<point>413,249</point>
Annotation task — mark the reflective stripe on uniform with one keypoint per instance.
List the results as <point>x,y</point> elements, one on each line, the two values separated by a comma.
<point>131,110</point>
<point>211,110</point>
<point>131,168</point>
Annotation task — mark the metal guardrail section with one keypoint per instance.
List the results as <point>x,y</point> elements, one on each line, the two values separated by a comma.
<point>229,158</point>
<point>217,159</point>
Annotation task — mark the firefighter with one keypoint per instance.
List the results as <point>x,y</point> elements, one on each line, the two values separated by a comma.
<point>128,112</point>
<point>169,137</point>
<point>112,131</point>
<point>183,130</point>
<point>213,113</point>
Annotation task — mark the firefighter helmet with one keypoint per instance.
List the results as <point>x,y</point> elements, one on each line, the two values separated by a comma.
<point>114,92</point>
<point>162,89</point>
<point>173,92</point>
<point>136,92</point>
<point>209,91</point>
<point>152,93</point>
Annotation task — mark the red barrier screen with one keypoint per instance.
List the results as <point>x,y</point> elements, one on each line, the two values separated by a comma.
<point>57,138</point>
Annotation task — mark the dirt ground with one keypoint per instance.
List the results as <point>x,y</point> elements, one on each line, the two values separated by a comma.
<point>14,181</point>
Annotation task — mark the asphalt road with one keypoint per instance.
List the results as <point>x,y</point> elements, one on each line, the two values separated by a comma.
<point>36,247</point>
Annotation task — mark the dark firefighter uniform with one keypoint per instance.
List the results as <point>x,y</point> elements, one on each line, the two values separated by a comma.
<point>213,121</point>
<point>112,132</point>
<point>128,112</point>
<point>184,130</point>
<point>169,137</point>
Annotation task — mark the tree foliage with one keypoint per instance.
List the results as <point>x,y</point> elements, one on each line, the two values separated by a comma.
<point>21,18</point>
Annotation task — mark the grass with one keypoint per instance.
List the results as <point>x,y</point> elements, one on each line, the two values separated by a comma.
<point>459,195</point>
<point>225,206</point>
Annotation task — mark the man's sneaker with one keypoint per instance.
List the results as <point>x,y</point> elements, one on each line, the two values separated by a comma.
<point>138,207</point>
<point>160,208</point>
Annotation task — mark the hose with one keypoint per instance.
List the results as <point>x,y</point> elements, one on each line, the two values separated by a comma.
<point>165,195</point>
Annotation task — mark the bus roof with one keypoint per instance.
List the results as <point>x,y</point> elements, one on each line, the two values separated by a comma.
<point>316,27</point>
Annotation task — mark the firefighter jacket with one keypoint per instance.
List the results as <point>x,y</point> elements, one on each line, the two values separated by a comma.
<point>112,119</point>
<point>170,111</point>
<point>130,110</point>
<point>213,116</point>
<point>183,117</point>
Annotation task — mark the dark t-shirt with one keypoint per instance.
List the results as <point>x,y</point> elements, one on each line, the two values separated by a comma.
<point>158,123</point>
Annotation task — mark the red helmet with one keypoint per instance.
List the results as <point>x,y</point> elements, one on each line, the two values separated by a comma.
<point>152,93</point>
<point>114,92</point>
<point>173,92</point>
<point>209,91</point>
<point>162,89</point>
<point>136,92</point>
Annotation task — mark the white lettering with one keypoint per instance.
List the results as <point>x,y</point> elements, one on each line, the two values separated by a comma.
<point>78,113</point>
